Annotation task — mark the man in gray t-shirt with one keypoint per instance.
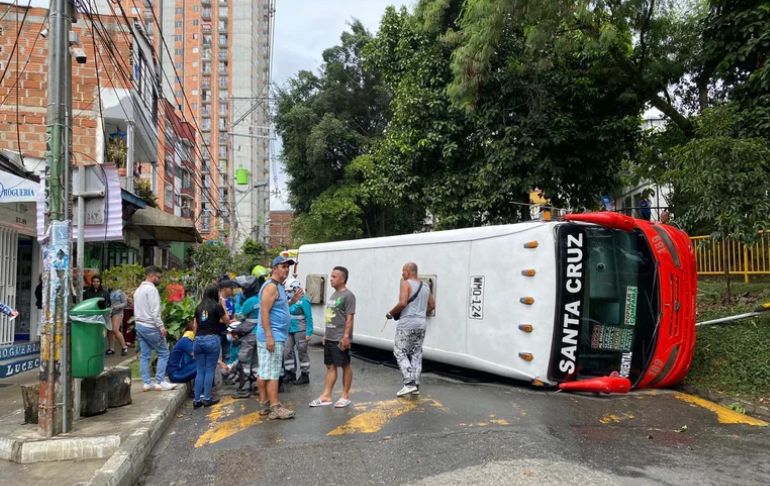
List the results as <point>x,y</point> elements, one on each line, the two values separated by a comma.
<point>415,303</point>
<point>340,309</point>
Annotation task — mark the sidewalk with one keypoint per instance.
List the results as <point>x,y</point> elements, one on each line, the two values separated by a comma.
<point>107,449</point>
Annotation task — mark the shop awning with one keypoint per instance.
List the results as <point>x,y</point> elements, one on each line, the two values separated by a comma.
<point>104,216</point>
<point>163,226</point>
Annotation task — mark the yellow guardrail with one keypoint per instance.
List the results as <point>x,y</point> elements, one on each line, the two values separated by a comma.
<point>729,256</point>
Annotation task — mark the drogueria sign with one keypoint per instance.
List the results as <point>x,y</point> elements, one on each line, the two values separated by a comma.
<point>17,189</point>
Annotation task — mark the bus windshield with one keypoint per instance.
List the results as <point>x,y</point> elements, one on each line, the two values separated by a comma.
<point>608,303</point>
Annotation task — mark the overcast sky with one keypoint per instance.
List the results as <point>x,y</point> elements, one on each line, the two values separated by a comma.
<point>303,29</point>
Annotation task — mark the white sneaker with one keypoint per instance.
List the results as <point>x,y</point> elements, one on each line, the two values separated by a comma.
<point>148,387</point>
<point>416,390</point>
<point>165,386</point>
<point>406,390</point>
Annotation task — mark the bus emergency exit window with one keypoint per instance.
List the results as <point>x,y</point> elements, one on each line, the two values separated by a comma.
<point>314,288</point>
<point>430,281</point>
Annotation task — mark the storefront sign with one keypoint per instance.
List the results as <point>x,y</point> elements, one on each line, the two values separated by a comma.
<point>16,189</point>
<point>10,369</point>
<point>16,350</point>
<point>19,216</point>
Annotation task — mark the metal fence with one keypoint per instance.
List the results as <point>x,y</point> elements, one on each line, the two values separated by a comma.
<point>8,254</point>
<point>728,256</point>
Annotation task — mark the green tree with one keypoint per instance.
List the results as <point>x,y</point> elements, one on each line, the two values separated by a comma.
<point>209,261</point>
<point>329,123</point>
<point>471,153</point>
<point>252,253</point>
<point>720,177</point>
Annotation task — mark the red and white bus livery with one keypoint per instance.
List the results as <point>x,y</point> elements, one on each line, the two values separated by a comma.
<point>587,303</point>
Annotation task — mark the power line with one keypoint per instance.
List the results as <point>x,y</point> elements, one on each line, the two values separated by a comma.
<point>26,62</point>
<point>176,74</point>
<point>7,10</point>
<point>18,55</point>
<point>121,69</point>
<point>199,151</point>
<point>18,35</point>
<point>157,137</point>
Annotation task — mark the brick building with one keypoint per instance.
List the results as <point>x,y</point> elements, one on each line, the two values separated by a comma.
<point>23,91</point>
<point>279,229</point>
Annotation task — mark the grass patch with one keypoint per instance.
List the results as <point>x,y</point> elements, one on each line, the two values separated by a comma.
<point>135,372</point>
<point>732,359</point>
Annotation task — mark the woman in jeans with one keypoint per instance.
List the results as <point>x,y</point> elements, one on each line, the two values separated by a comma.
<point>211,318</point>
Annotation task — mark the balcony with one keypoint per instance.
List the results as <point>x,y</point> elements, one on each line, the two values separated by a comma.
<point>206,13</point>
<point>205,226</point>
<point>222,12</point>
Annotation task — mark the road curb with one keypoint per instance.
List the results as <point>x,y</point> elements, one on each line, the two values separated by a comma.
<point>29,450</point>
<point>125,466</point>
<point>751,408</point>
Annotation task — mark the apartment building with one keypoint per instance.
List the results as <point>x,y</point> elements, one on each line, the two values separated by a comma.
<point>215,58</point>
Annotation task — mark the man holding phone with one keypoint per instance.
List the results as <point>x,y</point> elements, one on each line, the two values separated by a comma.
<point>340,309</point>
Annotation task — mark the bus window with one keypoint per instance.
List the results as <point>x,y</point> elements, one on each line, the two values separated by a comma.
<point>314,288</point>
<point>430,281</point>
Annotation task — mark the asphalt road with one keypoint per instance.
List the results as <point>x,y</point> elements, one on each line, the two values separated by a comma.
<point>471,430</point>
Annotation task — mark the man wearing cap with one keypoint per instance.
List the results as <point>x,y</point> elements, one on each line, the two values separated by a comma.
<point>271,338</point>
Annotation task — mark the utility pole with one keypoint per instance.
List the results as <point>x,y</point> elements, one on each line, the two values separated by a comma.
<point>55,409</point>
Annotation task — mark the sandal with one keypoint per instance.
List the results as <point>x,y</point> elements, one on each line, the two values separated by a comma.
<point>342,403</point>
<point>319,403</point>
<point>264,409</point>
<point>109,352</point>
<point>124,351</point>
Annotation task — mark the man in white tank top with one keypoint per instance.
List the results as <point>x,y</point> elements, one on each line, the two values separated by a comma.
<point>415,302</point>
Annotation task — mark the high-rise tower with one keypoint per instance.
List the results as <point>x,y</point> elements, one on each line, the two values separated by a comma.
<point>215,56</point>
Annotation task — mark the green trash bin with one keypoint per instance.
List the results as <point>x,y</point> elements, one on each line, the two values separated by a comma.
<point>89,337</point>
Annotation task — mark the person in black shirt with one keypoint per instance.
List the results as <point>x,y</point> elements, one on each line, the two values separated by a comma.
<point>211,317</point>
<point>96,290</point>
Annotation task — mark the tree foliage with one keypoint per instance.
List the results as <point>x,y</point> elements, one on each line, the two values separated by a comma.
<point>455,110</point>
<point>717,174</point>
<point>327,122</point>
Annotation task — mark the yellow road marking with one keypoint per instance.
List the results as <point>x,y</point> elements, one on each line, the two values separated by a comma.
<point>724,414</point>
<point>227,429</point>
<point>610,418</point>
<point>221,409</point>
<point>371,421</point>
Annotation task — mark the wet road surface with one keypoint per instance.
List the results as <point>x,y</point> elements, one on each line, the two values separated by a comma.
<point>461,431</point>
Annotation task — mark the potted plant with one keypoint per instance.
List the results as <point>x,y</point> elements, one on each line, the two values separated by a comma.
<point>144,191</point>
<point>115,152</point>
